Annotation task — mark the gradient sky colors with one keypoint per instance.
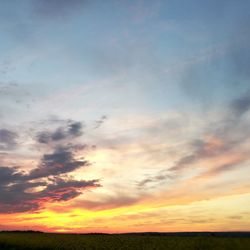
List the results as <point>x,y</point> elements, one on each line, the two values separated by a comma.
<point>120,116</point>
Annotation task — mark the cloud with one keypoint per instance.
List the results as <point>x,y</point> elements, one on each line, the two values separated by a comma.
<point>210,152</point>
<point>22,194</point>
<point>49,181</point>
<point>99,122</point>
<point>108,201</point>
<point>7,139</point>
<point>75,128</point>
<point>222,137</point>
<point>202,148</point>
<point>71,130</point>
<point>59,162</point>
<point>62,190</point>
<point>222,168</point>
<point>155,180</point>
<point>8,175</point>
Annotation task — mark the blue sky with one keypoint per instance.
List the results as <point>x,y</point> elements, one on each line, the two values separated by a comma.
<point>157,48</point>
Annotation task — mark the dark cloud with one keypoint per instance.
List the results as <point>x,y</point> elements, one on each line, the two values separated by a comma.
<point>20,194</point>
<point>43,137</point>
<point>12,190</point>
<point>8,175</point>
<point>59,134</point>
<point>62,190</point>
<point>48,182</point>
<point>75,128</point>
<point>59,162</point>
<point>7,139</point>
<point>69,131</point>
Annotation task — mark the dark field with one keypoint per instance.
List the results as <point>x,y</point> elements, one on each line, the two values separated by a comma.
<point>44,241</point>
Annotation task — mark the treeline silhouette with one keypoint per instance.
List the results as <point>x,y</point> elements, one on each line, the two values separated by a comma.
<point>184,234</point>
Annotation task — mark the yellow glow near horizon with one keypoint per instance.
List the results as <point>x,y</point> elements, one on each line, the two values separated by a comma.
<point>215,214</point>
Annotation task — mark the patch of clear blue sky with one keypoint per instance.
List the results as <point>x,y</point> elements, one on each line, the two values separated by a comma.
<point>107,38</point>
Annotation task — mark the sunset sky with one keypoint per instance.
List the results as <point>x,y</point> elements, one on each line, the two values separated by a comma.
<point>125,115</point>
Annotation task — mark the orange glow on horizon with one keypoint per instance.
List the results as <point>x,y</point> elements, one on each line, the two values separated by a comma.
<point>192,216</point>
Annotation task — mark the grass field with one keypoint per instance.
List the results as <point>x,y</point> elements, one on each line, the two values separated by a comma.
<point>44,241</point>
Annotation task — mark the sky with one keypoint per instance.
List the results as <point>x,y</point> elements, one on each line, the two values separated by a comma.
<point>124,116</point>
